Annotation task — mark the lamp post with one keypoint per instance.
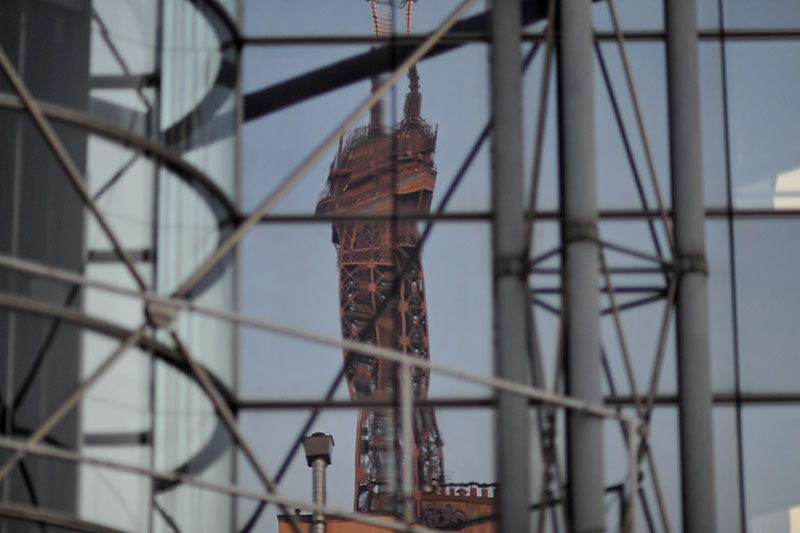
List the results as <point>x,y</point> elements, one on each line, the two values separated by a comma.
<point>318,449</point>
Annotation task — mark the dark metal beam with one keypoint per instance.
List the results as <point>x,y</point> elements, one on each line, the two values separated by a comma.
<point>362,67</point>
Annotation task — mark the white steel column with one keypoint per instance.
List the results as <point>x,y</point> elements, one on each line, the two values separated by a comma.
<point>581,265</point>
<point>694,367</point>
<point>508,237</point>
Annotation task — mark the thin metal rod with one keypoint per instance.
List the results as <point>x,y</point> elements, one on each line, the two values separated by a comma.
<point>662,507</point>
<point>512,426</point>
<point>336,342</point>
<point>286,185</point>
<point>67,405</point>
<point>706,34</point>
<point>58,519</point>
<point>115,177</point>
<point>388,354</point>
<point>623,345</point>
<point>628,289</point>
<point>694,362</point>
<point>634,303</point>
<point>632,488</point>
<point>549,215</point>
<point>66,162</point>
<point>635,253</point>
<point>642,128</point>
<point>541,117</point>
<point>628,149</point>
<point>583,362</point>
<point>660,348</point>
<point>105,34</point>
<point>407,439</point>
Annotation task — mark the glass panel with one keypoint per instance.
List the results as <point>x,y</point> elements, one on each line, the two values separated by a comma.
<point>114,498</point>
<point>771,466</point>
<point>616,185</point>
<point>547,191</point>
<point>708,14</point>
<point>124,37</point>
<point>632,14</point>
<point>764,108</point>
<point>772,14</point>
<point>767,254</point>
<point>720,306</point>
<point>712,125</point>
<point>727,475</point>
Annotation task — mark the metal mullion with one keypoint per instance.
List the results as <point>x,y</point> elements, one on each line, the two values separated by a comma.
<point>724,36</point>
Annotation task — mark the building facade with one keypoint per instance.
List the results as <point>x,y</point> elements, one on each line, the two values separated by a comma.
<point>122,170</point>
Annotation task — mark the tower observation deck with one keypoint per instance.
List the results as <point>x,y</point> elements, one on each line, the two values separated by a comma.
<point>385,171</point>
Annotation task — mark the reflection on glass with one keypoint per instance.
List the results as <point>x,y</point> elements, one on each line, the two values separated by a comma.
<point>771,437</point>
<point>764,113</point>
<point>726,470</point>
<point>772,14</point>
<point>767,255</point>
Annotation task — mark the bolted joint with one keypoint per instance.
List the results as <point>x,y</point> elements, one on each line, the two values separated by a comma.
<point>159,314</point>
<point>688,263</point>
<point>576,231</point>
<point>510,266</point>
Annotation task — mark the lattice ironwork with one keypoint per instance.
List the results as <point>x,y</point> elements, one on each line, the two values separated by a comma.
<point>382,295</point>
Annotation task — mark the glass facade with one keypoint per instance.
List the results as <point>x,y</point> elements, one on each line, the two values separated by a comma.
<point>607,333</point>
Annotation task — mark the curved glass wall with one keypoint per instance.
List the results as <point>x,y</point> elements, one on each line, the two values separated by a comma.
<point>142,96</point>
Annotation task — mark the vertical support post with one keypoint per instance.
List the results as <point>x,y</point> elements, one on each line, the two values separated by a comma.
<point>508,238</point>
<point>586,482</point>
<point>318,448</point>
<point>318,493</point>
<point>694,367</point>
<point>407,440</point>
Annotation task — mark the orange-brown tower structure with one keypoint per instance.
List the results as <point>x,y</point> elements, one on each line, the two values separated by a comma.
<point>385,171</point>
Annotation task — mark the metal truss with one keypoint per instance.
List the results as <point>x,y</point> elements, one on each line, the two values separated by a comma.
<point>517,273</point>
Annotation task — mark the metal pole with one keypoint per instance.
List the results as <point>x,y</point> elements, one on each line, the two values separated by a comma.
<point>508,235</point>
<point>694,367</point>
<point>581,252</point>
<point>407,440</point>
<point>318,495</point>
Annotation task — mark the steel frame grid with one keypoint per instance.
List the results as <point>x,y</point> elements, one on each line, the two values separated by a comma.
<point>738,398</point>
